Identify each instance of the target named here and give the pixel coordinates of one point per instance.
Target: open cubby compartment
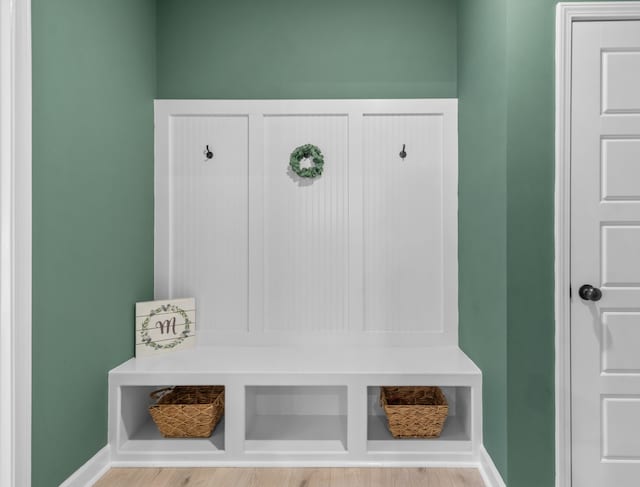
(139, 433)
(296, 419)
(456, 433)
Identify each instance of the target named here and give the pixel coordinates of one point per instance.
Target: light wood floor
(291, 477)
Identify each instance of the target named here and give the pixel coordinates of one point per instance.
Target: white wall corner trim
(89, 473)
(490, 475)
(15, 242)
(566, 15)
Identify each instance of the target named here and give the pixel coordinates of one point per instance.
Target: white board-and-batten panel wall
(306, 232)
(365, 254)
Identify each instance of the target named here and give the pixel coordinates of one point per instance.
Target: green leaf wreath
(146, 338)
(304, 152)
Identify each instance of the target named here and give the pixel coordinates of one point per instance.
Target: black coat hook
(403, 153)
(208, 153)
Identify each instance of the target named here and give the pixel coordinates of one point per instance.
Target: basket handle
(155, 395)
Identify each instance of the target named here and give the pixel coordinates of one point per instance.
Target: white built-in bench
(296, 406)
(283, 268)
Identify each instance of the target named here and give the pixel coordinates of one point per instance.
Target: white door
(605, 253)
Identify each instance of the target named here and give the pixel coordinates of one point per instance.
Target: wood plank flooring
(291, 477)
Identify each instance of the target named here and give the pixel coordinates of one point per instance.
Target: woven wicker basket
(414, 411)
(187, 411)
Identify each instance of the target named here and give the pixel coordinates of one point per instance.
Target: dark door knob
(590, 293)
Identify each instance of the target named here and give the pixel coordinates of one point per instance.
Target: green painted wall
(306, 48)
(93, 85)
(482, 208)
(530, 182)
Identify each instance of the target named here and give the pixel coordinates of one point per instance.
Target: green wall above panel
(307, 49)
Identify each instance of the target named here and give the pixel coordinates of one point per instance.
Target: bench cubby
(137, 434)
(456, 434)
(296, 418)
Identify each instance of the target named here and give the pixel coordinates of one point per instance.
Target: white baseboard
(488, 470)
(89, 473)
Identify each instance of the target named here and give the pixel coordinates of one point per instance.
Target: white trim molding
(490, 474)
(566, 15)
(15, 242)
(90, 472)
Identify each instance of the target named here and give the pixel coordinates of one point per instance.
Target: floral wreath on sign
(146, 338)
(307, 151)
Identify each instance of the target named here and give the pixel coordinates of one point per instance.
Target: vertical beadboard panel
(256, 223)
(306, 226)
(209, 218)
(403, 223)
(356, 222)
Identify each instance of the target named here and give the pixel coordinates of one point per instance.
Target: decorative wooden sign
(163, 326)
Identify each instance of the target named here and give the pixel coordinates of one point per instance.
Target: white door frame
(15, 242)
(566, 14)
